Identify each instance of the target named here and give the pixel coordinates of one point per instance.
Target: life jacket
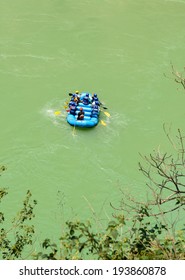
(95, 107)
(95, 112)
(72, 103)
(72, 110)
(94, 99)
(86, 100)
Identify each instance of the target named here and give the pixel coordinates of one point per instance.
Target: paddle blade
(107, 114)
(103, 123)
(57, 113)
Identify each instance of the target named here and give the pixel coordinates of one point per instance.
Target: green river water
(119, 49)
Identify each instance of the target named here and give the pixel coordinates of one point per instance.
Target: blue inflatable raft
(89, 120)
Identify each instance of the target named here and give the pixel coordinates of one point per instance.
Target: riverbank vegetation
(177, 76)
(17, 235)
(138, 229)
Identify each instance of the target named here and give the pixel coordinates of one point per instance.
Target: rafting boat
(89, 120)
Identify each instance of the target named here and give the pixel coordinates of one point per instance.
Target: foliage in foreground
(143, 241)
(18, 237)
(143, 231)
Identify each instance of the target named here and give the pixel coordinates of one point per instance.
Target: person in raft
(72, 109)
(95, 110)
(76, 96)
(94, 98)
(86, 99)
(71, 102)
(81, 114)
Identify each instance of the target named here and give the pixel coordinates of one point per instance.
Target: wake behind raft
(89, 105)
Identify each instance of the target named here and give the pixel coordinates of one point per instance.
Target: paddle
(106, 113)
(103, 123)
(57, 113)
(103, 106)
(73, 130)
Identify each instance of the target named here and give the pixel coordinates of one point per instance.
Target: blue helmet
(97, 102)
(87, 94)
(95, 95)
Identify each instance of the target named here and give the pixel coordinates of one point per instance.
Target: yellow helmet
(77, 91)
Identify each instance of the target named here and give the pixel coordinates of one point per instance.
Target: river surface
(119, 49)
